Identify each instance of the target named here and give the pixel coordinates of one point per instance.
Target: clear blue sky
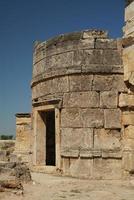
(24, 21)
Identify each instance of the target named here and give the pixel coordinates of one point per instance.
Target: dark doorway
(50, 138)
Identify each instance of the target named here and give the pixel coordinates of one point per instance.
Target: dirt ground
(50, 187)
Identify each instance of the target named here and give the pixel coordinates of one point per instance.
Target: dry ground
(50, 187)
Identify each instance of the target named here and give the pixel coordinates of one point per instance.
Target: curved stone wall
(84, 72)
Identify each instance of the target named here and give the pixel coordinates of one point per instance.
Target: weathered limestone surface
(81, 74)
(107, 139)
(23, 145)
(81, 138)
(128, 43)
(128, 118)
(112, 118)
(126, 101)
(129, 19)
(109, 99)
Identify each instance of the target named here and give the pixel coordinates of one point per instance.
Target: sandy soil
(50, 187)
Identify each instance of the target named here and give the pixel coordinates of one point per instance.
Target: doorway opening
(49, 132)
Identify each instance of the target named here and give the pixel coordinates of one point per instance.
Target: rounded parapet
(79, 52)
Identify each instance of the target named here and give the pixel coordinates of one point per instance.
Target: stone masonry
(126, 100)
(82, 104)
(81, 75)
(23, 145)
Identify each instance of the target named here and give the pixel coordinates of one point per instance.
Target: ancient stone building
(82, 104)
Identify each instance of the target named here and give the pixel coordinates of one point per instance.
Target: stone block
(126, 100)
(118, 83)
(74, 70)
(88, 57)
(70, 117)
(44, 88)
(112, 57)
(112, 118)
(106, 44)
(60, 84)
(86, 153)
(107, 139)
(76, 138)
(23, 120)
(87, 43)
(108, 99)
(128, 161)
(128, 143)
(63, 59)
(107, 168)
(112, 154)
(81, 168)
(81, 99)
(92, 117)
(75, 83)
(128, 118)
(102, 83)
(38, 53)
(129, 132)
(66, 165)
(86, 82)
(109, 82)
(80, 82)
(103, 69)
(55, 72)
(69, 153)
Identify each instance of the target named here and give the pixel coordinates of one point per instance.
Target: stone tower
(83, 104)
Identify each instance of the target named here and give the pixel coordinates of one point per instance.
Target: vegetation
(6, 137)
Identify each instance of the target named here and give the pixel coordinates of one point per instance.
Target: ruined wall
(127, 100)
(23, 144)
(84, 72)
(6, 149)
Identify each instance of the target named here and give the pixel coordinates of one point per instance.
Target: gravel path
(50, 187)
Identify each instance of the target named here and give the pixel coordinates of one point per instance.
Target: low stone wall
(23, 145)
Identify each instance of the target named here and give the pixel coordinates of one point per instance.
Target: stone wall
(127, 100)
(23, 145)
(84, 72)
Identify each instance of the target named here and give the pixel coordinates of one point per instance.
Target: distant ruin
(82, 119)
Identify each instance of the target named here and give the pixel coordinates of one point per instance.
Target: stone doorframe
(39, 153)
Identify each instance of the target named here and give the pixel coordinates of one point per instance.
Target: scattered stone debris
(11, 184)
(12, 177)
(22, 172)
